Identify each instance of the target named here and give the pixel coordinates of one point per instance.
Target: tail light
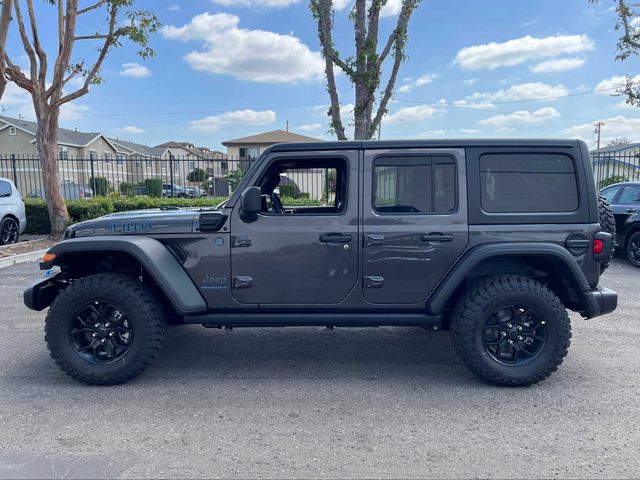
(598, 246)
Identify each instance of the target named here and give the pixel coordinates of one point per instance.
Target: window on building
(93, 155)
(529, 182)
(13, 131)
(63, 153)
(414, 185)
(107, 157)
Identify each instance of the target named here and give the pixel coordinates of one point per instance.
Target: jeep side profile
(491, 239)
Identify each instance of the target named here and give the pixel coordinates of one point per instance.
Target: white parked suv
(14, 219)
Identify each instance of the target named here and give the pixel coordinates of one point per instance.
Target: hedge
(81, 210)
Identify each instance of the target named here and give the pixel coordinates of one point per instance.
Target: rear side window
(610, 193)
(414, 185)
(528, 182)
(5, 189)
(630, 194)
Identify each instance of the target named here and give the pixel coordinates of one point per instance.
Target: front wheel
(633, 249)
(510, 330)
(104, 329)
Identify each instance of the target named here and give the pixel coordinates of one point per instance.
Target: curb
(22, 258)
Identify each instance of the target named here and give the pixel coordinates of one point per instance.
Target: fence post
(13, 165)
(171, 175)
(93, 177)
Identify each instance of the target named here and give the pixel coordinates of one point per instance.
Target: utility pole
(597, 131)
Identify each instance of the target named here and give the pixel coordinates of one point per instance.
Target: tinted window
(528, 183)
(610, 193)
(630, 194)
(5, 189)
(414, 185)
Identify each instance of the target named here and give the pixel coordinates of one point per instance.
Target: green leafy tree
(364, 67)
(613, 179)
(197, 175)
(48, 86)
(234, 177)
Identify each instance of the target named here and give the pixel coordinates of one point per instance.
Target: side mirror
(251, 202)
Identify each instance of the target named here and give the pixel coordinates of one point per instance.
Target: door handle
(370, 240)
(631, 210)
(335, 238)
(436, 237)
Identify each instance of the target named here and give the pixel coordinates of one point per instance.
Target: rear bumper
(599, 301)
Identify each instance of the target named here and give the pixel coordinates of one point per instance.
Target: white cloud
(256, 3)
(515, 52)
(425, 79)
(253, 55)
(311, 127)
(411, 114)
(521, 117)
(610, 85)
(391, 8)
(131, 130)
(73, 111)
(614, 127)
(247, 116)
(470, 81)
(523, 91)
(557, 65)
(173, 8)
(134, 70)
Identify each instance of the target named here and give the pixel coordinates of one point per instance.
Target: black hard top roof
(454, 143)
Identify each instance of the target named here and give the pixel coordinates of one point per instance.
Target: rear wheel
(510, 330)
(104, 329)
(607, 224)
(633, 249)
(9, 231)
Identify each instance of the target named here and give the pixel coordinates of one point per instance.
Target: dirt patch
(25, 247)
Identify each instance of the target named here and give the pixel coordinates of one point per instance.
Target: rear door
(627, 206)
(415, 221)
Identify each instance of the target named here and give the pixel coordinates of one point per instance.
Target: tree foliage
(49, 85)
(364, 68)
(197, 175)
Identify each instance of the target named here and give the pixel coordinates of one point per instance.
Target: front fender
(155, 258)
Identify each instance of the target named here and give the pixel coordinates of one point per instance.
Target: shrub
(126, 188)
(197, 175)
(613, 179)
(154, 187)
(99, 185)
(288, 190)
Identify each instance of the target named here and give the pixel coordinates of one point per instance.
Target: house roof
(139, 148)
(65, 136)
(269, 138)
(617, 148)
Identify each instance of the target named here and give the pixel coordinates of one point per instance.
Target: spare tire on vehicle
(607, 224)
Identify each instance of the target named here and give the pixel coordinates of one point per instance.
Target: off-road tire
(607, 223)
(133, 299)
(479, 302)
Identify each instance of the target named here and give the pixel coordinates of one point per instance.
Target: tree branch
(60, 24)
(5, 21)
(324, 17)
(25, 41)
(42, 55)
(14, 74)
(97, 36)
(113, 15)
(92, 7)
(624, 13)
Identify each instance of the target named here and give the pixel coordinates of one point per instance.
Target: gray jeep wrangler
(491, 239)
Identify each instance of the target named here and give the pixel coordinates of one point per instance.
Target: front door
(303, 248)
(415, 222)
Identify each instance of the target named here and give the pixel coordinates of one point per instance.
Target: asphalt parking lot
(307, 402)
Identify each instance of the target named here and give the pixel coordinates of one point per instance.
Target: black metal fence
(613, 167)
(157, 177)
(82, 177)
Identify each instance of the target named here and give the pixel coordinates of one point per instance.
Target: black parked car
(624, 199)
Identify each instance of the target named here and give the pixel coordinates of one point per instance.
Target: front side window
(414, 185)
(630, 195)
(304, 187)
(527, 182)
(5, 189)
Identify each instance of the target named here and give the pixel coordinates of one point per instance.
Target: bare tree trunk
(47, 145)
(5, 21)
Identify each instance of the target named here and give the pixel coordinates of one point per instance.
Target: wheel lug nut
(519, 328)
(111, 334)
(107, 325)
(510, 342)
(97, 325)
(504, 334)
(509, 325)
(102, 340)
(94, 334)
(543, 322)
(519, 337)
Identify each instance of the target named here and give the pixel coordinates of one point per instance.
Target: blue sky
(229, 68)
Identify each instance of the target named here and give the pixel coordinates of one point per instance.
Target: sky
(230, 68)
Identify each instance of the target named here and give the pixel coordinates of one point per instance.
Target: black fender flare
(156, 259)
(464, 266)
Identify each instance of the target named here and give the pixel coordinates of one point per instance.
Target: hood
(144, 222)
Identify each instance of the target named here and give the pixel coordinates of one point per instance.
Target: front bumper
(599, 301)
(40, 294)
